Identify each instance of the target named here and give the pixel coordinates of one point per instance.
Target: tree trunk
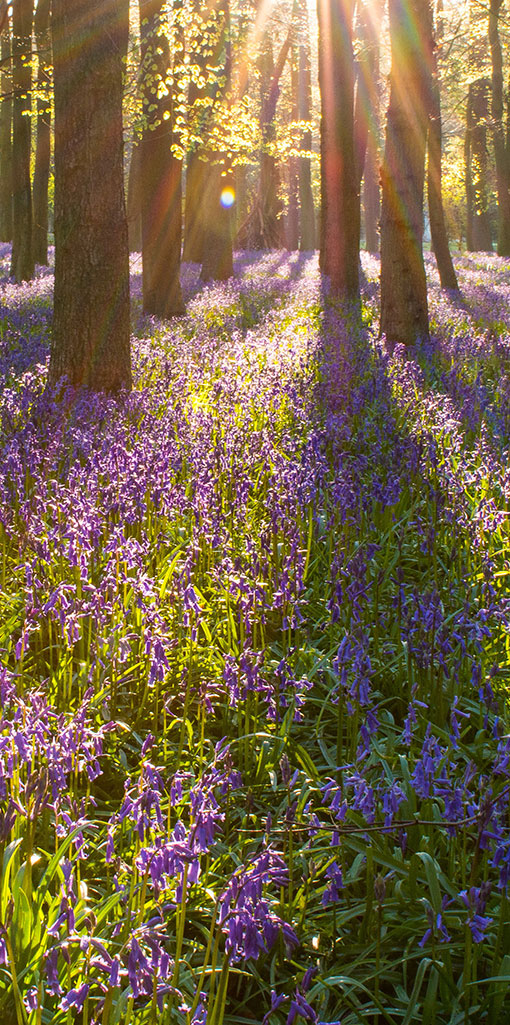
(447, 275)
(90, 344)
(366, 119)
(217, 259)
(5, 133)
(340, 202)
(404, 311)
(43, 144)
(22, 263)
(161, 173)
(134, 200)
(263, 228)
(196, 172)
(501, 148)
(292, 218)
(306, 207)
(478, 229)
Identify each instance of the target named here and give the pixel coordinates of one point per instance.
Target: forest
(254, 512)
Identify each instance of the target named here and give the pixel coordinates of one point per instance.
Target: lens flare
(227, 197)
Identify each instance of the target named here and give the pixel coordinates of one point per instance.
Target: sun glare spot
(227, 197)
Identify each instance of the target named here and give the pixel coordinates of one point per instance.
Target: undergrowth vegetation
(254, 636)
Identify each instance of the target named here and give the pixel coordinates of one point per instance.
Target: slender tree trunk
(22, 263)
(134, 200)
(263, 228)
(5, 133)
(366, 119)
(43, 143)
(90, 344)
(404, 310)
(196, 170)
(196, 174)
(217, 259)
(196, 160)
(161, 173)
(306, 206)
(501, 147)
(438, 231)
(292, 219)
(478, 229)
(340, 202)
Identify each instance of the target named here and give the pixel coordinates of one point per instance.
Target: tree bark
(501, 146)
(478, 229)
(447, 275)
(43, 141)
(5, 132)
(306, 205)
(22, 263)
(340, 202)
(90, 344)
(404, 310)
(161, 173)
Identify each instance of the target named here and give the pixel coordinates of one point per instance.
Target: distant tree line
(214, 107)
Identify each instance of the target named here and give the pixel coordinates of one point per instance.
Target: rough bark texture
(478, 229)
(439, 235)
(43, 143)
(501, 146)
(5, 133)
(161, 173)
(404, 311)
(90, 344)
(22, 263)
(340, 202)
(306, 205)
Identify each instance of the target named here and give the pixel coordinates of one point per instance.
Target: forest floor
(254, 644)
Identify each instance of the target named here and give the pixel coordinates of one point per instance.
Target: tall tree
(264, 225)
(340, 205)
(43, 137)
(196, 160)
(306, 206)
(366, 117)
(478, 228)
(90, 343)
(292, 216)
(404, 310)
(5, 126)
(160, 171)
(22, 262)
(501, 132)
(134, 200)
(217, 259)
(438, 231)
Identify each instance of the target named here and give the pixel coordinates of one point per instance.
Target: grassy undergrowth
(254, 644)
